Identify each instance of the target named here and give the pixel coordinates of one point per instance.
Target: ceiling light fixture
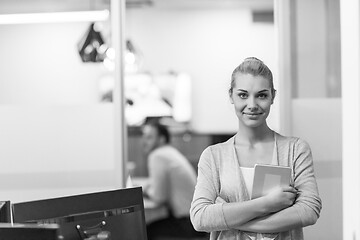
(92, 47)
(53, 17)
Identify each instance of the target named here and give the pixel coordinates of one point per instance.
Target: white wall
(317, 116)
(318, 121)
(55, 132)
(56, 138)
(207, 44)
(50, 151)
(350, 61)
(39, 64)
(311, 51)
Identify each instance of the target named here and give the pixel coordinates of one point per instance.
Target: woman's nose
(251, 103)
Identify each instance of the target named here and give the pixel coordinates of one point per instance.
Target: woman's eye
(242, 95)
(262, 96)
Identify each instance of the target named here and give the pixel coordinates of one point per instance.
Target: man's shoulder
(164, 152)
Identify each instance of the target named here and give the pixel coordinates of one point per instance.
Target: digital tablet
(268, 177)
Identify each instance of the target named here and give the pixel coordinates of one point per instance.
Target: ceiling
(25, 6)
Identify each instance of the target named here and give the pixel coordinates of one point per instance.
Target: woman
(221, 203)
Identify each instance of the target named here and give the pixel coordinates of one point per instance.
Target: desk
(153, 211)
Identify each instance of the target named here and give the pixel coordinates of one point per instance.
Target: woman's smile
(253, 116)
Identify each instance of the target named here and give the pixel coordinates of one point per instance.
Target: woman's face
(252, 98)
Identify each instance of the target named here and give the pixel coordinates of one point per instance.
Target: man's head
(154, 136)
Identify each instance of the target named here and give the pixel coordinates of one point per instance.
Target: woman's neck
(251, 136)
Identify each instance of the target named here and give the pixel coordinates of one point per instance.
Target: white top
(248, 175)
(172, 180)
(248, 172)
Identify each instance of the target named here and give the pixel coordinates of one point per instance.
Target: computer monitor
(119, 213)
(5, 214)
(18, 231)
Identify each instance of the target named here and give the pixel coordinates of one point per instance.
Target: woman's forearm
(237, 214)
(240, 213)
(283, 220)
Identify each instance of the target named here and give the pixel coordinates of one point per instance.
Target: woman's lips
(252, 114)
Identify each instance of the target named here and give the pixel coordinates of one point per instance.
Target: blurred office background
(58, 109)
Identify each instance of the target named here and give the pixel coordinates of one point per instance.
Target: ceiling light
(53, 17)
(92, 47)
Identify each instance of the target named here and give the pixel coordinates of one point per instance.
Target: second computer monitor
(21, 231)
(117, 214)
(5, 215)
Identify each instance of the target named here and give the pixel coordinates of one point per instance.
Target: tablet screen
(268, 177)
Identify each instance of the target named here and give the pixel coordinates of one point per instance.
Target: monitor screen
(28, 231)
(117, 214)
(5, 214)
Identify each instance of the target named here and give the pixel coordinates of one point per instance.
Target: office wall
(52, 121)
(315, 104)
(50, 151)
(318, 71)
(40, 65)
(319, 123)
(207, 44)
(350, 80)
(56, 138)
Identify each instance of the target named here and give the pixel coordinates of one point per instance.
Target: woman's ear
(273, 95)
(230, 96)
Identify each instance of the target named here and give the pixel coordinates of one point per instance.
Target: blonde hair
(255, 67)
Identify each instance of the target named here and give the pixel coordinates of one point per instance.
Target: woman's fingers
(290, 189)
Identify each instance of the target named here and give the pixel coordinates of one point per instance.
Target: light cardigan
(220, 177)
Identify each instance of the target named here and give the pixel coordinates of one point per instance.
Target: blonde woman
(221, 202)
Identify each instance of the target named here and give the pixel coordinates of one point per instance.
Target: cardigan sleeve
(308, 203)
(206, 212)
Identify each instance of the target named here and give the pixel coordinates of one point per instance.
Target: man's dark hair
(161, 129)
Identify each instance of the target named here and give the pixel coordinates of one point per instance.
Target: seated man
(172, 182)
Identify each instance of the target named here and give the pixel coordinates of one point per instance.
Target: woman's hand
(280, 198)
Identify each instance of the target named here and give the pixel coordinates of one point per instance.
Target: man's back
(172, 182)
(172, 178)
